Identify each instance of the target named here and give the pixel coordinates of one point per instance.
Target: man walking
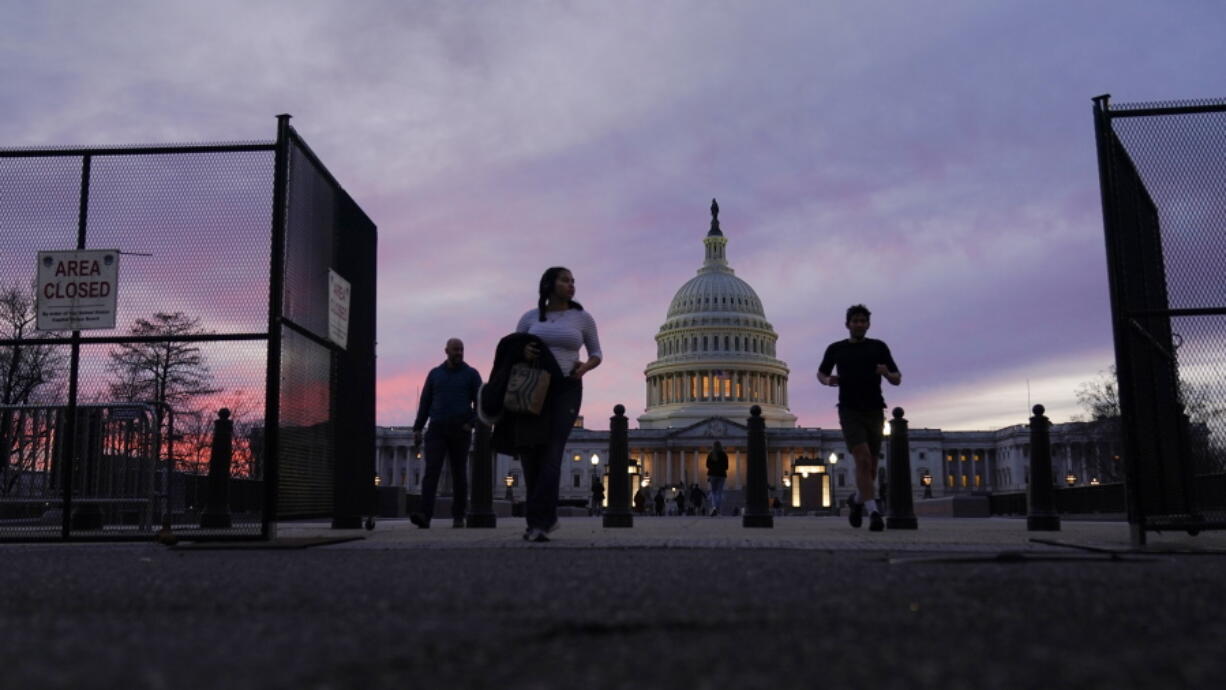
(449, 400)
(717, 474)
(861, 363)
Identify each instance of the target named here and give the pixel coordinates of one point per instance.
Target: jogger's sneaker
(419, 520)
(534, 534)
(552, 528)
(855, 513)
(875, 523)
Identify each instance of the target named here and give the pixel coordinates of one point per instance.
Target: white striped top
(563, 332)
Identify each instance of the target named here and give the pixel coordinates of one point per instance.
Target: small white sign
(77, 289)
(338, 308)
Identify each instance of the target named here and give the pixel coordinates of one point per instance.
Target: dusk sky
(934, 160)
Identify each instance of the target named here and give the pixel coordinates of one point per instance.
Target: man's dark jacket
(514, 432)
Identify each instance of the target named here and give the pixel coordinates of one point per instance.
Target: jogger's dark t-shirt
(859, 382)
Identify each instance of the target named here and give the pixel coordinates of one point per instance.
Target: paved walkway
(699, 603)
(792, 532)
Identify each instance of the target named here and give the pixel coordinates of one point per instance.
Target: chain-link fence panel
(193, 228)
(111, 433)
(1163, 168)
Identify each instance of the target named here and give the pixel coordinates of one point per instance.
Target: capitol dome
(715, 352)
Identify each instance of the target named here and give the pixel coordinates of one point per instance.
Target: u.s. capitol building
(715, 359)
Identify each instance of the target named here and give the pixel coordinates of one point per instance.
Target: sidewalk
(793, 532)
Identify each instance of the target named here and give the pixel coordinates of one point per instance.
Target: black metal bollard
(900, 502)
(618, 513)
(757, 506)
(481, 481)
(1041, 513)
(217, 513)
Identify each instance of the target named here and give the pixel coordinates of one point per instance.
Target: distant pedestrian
(696, 499)
(659, 501)
(597, 496)
(449, 401)
(861, 362)
(640, 500)
(680, 499)
(717, 474)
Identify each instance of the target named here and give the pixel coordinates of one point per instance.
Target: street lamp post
(509, 480)
(1070, 478)
(926, 480)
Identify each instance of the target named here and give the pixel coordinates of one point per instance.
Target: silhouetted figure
(597, 497)
(717, 474)
(449, 401)
(659, 501)
(861, 364)
(680, 499)
(696, 499)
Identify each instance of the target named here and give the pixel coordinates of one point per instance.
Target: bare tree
(163, 371)
(29, 374)
(1206, 426)
(25, 370)
(1100, 396)
(1206, 416)
(1100, 399)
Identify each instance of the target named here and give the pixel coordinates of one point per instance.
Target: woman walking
(563, 326)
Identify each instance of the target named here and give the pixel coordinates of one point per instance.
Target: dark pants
(451, 441)
(543, 464)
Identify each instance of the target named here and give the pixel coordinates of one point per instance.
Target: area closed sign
(77, 289)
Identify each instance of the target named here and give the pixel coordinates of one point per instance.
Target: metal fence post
(618, 513)
(757, 508)
(481, 481)
(1041, 516)
(900, 501)
(217, 513)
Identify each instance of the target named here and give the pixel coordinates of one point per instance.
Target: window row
(719, 302)
(714, 343)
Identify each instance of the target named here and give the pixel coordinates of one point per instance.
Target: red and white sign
(77, 289)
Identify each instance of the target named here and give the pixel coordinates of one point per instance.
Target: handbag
(527, 387)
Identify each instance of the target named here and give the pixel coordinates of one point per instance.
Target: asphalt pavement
(672, 602)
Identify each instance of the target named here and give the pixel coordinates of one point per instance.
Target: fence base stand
(347, 522)
(165, 535)
(1043, 523)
